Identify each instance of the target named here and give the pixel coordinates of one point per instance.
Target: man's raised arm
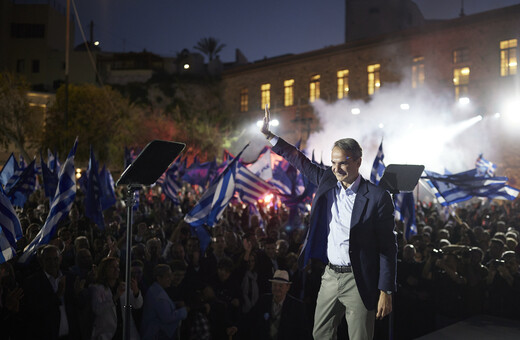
(265, 127)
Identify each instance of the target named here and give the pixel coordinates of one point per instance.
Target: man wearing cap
(277, 315)
(352, 231)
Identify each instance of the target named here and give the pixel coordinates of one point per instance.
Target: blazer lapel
(360, 203)
(329, 181)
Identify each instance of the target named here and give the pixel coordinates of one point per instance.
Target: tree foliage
(210, 47)
(101, 117)
(21, 123)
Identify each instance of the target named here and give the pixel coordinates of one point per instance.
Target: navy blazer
(372, 244)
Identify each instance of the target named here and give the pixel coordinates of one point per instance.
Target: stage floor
(482, 327)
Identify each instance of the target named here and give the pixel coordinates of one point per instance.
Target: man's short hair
(160, 270)
(351, 145)
(225, 263)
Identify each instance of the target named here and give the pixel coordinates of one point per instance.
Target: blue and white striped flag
(24, 186)
(484, 167)
(465, 185)
(60, 206)
(211, 205)
(53, 163)
(106, 182)
(378, 168)
(93, 195)
(9, 169)
(251, 187)
(405, 212)
(172, 182)
(10, 229)
(50, 179)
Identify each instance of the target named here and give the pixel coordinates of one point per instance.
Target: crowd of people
(457, 265)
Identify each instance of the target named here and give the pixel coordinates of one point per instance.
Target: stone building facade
(470, 57)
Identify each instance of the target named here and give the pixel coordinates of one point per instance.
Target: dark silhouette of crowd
(458, 265)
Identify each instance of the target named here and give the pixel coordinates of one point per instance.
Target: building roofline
(430, 26)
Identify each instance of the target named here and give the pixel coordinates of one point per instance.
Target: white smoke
(417, 127)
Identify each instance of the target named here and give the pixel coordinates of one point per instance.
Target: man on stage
(352, 231)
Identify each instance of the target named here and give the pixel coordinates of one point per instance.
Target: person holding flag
(352, 231)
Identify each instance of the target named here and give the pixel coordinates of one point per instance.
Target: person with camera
(503, 283)
(442, 270)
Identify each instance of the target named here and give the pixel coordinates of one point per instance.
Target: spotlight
(273, 122)
(510, 112)
(186, 66)
(464, 100)
(355, 111)
(96, 43)
(268, 198)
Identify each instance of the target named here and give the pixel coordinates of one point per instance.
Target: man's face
(113, 270)
(279, 290)
(270, 250)
(51, 262)
(192, 246)
(165, 281)
(344, 167)
(177, 277)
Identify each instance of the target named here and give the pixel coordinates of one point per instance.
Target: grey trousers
(339, 296)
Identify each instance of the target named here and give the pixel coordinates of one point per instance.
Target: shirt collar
(353, 188)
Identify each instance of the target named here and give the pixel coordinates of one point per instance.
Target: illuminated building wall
(431, 55)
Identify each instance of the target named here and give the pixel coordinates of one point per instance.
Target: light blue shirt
(341, 202)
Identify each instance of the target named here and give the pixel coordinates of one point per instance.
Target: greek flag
(10, 229)
(250, 187)
(405, 212)
(484, 167)
(172, 185)
(24, 186)
(60, 206)
(53, 162)
(93, 196)
(378, 168)
(211, 205)
(262, 166)
(106, 182)
(50, 179)
(9, 169)
(465, 185)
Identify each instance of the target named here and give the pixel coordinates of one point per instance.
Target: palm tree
(210, 47)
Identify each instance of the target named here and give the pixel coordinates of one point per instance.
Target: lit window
(461, 81)
(244, 100)
(508, 57)
(314, 88)
(342, 84)
(460, 55)
(266, 95)
(374, 80)
(417, 72)
(288, 88)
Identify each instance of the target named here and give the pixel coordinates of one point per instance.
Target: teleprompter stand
(146, 169)
(396, 179)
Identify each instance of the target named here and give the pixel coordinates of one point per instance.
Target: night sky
(259, 29)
